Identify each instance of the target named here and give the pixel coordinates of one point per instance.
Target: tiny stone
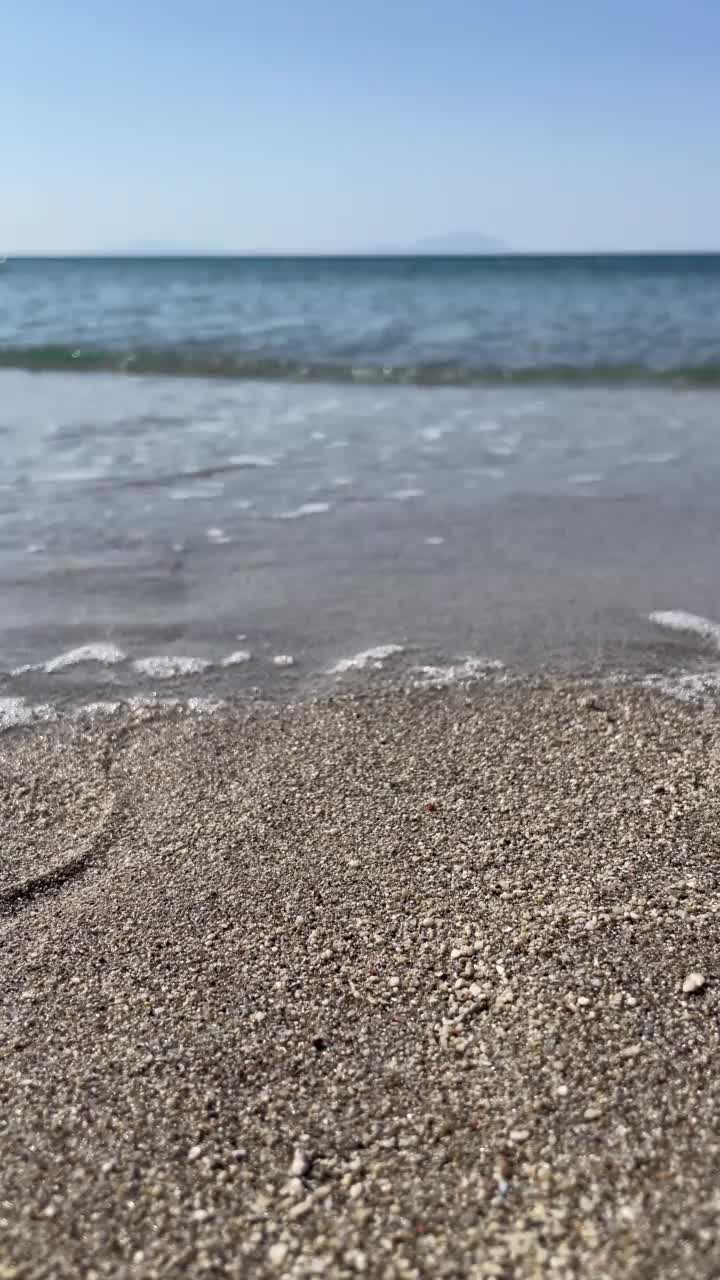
(300, 1163)
(277, 1254)
(693, 982)
(299, 1210)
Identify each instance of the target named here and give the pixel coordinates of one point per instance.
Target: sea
(259, 478)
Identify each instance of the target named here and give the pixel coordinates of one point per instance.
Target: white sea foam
(586, 477)
(204, 704)
(374, 657)
(306, 509)
(107, 654)
(94, 709)
(462, 669)
(149, 702)
(165, 666)
(252, 460)
(284, 660)
(405, 495)
(679, 620)
(434, 541)
(218, 536)
(687, 686)
(44, 711)
(660, 459)
(237, 658)
(14, 712)
(431, 434)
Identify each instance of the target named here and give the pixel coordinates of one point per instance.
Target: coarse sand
(406, 984)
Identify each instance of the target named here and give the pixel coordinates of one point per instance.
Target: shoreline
(391, 984)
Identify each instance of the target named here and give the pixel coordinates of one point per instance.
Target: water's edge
(189, 362)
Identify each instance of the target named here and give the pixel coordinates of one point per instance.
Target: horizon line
(288, 254)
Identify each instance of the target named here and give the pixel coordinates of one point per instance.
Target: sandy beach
(398, 985)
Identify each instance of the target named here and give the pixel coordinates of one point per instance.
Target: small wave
(679, 620)
(200, 362)
(374, 657)
(237, 658)
(464, 670)
(165, 666)
(107, 654)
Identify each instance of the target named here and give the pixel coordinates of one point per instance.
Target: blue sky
(333, 124)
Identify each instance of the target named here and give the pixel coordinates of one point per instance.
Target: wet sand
(412, 984)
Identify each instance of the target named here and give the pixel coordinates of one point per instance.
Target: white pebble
(300, 1163)
(277, 1254)
(693, 982)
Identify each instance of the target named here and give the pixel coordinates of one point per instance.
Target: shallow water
(192, 536)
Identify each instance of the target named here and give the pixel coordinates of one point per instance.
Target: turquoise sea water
(368, 466)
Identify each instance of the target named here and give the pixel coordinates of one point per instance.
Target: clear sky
(334, 124)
